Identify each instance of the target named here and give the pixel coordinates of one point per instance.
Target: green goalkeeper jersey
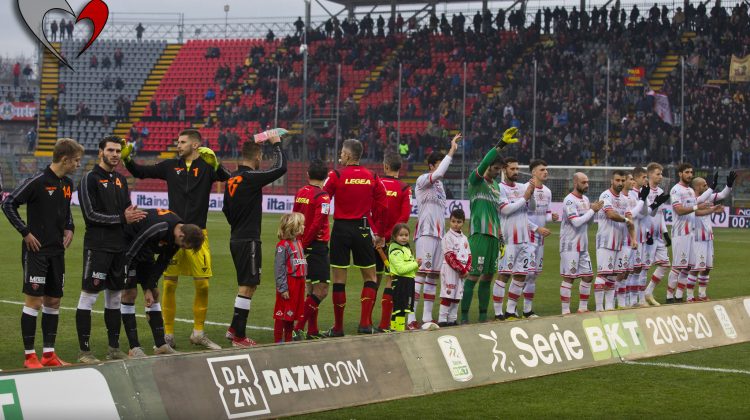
(485, 199)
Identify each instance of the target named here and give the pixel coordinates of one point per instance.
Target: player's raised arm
(157, 171)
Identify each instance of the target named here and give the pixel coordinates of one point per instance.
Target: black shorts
(43, 275)
(247, 258)
(352, 237)
(139, 273)
(380, 267)
(318, 263)
(103, 270)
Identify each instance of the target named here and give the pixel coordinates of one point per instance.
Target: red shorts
(291, 309)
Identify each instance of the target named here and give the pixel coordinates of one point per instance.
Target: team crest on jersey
(179, 170)
(325, 208)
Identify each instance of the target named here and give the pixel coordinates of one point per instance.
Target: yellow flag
(739, 69)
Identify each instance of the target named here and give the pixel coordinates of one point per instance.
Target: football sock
(702, 285)
(367, 299)
(633, 288)
(529, 289)
(621, 288)
(609, 294)
(241, 313)
(514, 292)
(672, 283)
(467, 298)
(418, 285)
(386, 305)
(288, 328)
(453, 314)
(691, 286)
(445, 308)
(50, 318)
(83, 319)
(642, 285)
(429, 299)
(170, 305)
(156, 322)
(681, 284)
(127, 310)
(483, 296)
(200, 304)
(584, 291)
(112, 317)
(599, 285)
(339, 304)
(655, 279)
(311, 306)
(565, 296)
(278, 330)
(498, 294)
(28, 327)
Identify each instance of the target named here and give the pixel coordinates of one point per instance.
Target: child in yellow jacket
(403, 268)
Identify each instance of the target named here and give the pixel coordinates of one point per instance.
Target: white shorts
(610, 262)
(702, 255)
(646, 255)
(575, 264)
(536, 258)
(681, 246)
(660, 256)
(516, 260)
(451, 284)
(430, 250)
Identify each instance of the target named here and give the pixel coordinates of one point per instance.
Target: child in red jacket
(290, 270)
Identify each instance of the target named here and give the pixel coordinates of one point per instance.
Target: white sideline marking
(689, 367)
(187, 321)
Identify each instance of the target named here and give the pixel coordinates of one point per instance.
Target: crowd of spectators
(574, 53)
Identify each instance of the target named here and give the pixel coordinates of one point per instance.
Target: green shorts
(484, 254)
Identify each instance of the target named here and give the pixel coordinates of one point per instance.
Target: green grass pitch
(620, 390)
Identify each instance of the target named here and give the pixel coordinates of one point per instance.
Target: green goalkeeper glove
(509, 137)
(127, 151)
(209, 157)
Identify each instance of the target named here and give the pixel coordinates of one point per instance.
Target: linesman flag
(739, 69)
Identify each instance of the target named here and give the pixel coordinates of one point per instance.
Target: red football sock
(311, 315)
(339, 304)
(368, 296)
(288, 327)
(278, 330)
(387, 309)
(302, 318)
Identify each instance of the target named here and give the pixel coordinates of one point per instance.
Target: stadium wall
(297, 378)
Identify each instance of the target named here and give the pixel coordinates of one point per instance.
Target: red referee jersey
(358, 193)
(315, 204)
(398, 202)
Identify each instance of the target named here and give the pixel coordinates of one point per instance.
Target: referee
(361, 194)
(189, 180)
(47, 234)
(243, 199)
(106, 208)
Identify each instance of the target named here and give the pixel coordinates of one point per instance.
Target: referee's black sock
(112, 321)
(83, 327)
(128, 321)
(241, 313)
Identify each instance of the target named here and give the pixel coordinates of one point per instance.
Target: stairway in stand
(49, 86)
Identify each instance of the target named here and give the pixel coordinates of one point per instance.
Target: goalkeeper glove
(649, 239)
(127, 151)
(667, 239)
(715, 181)
(509, 137)
(209, 157)
(502, 246)
(643, 194)
(731, 178)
